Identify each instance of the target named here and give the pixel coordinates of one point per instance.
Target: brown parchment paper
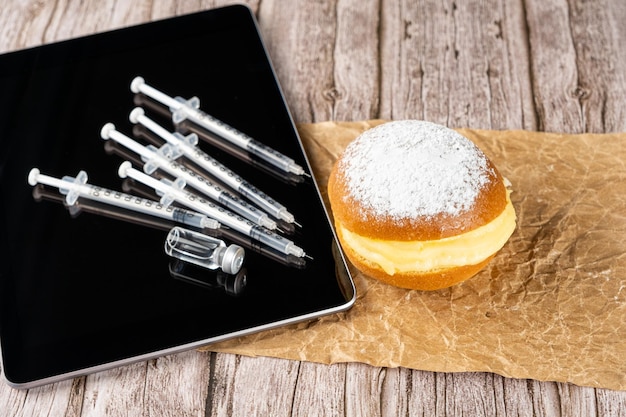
(550, 306)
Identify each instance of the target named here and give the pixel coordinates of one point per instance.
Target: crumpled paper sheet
(550, 306)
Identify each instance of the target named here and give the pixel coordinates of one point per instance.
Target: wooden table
(551, 65)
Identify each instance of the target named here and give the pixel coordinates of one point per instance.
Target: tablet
(86, 286)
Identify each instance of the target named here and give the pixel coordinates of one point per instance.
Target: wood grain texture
(577, 64)
(456, 63)
(532, 64)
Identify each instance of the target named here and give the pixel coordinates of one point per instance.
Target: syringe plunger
(73, 188)
(190, 109)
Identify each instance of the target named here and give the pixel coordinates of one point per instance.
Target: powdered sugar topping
(410, 168)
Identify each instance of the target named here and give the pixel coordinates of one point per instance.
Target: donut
(419, 206)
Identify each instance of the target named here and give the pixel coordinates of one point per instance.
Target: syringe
(73, 188)
(158, 159)
(190, 109)
(188, 147)
(175, 192)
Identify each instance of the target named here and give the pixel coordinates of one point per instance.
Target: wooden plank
(356, 70)
(302, 54)
(578, 77)
(364, 389)
(409, 393)
(163, 9)
(328, 61)
(462, 64)
(513, 397)
(177, 383)
(117, 391)
(610, 403)
(555, 76)
(23, 24)
(53, 399)
(243, 386)
(320, 390)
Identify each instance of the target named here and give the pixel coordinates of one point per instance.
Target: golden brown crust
(489, 204)
(351, 213)
(429, 281)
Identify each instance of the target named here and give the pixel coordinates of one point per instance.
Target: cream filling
(468, 248)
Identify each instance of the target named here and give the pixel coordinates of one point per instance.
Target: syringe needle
(188, 147)
(157, 159)
(190, 109)
(74, 188)
(175, 192)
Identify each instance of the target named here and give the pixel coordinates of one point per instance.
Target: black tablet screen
(83, 287)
